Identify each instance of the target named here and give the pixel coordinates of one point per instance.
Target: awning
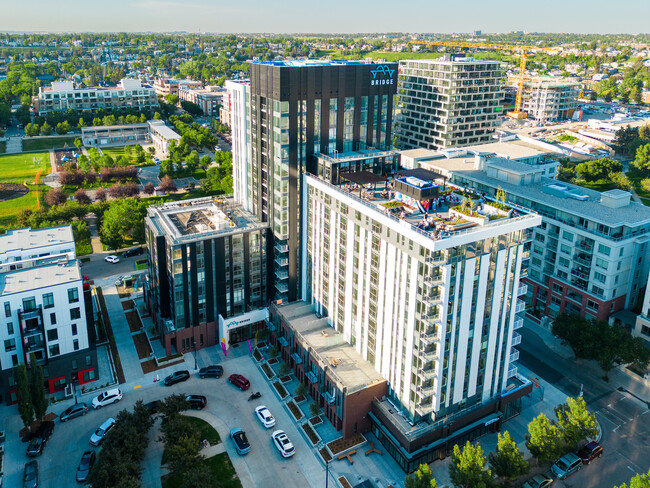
(362, 177)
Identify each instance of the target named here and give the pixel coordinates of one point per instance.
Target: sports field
(22, 168)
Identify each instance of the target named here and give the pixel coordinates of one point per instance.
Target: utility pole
(327, 473)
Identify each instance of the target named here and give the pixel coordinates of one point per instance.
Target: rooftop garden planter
(268, 371)
(341, 445)
(314, 438)
(280, 389)
(295, 411)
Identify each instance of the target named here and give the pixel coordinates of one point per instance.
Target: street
(97, 268)
(624, 419)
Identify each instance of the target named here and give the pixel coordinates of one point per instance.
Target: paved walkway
(14, 145)
(95, 241)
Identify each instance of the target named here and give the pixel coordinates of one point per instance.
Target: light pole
(327, 473)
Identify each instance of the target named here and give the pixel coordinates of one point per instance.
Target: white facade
(436, 318)
(162, 135)
(548, 99)
(236, 101)
(642, 326)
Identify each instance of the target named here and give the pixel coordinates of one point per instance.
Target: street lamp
(327, 473)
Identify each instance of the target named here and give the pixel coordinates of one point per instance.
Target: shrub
(82, 197)
(56, 196)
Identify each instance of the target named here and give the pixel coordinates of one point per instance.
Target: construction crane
(523, 50)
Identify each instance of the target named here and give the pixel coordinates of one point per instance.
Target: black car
(136, 251)
(74, 411)
(177, 377)
(85, 465)
(197, 402)
(213, 371)
(36, 446)
(153, 407)
(30, 475)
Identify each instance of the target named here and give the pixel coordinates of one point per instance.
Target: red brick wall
(357, 405)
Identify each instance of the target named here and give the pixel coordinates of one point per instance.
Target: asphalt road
(97, 268)
(624, 419)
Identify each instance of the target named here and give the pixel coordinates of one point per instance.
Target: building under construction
(548, 99)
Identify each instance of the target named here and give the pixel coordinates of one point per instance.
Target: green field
(48, 143)
(10, 209)
(20, 168)
(114, 152)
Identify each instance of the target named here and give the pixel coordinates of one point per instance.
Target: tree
(642, 159)
(508, 461)
(25, 407)
(100, 195)
(284, 369)
(467, 468)
(644, 132)
(301, 389)
(576, 421)
(78, 142)
(82, 197)
(56, 196)
(544, 440)
(421, 478)
(621, 181)
(149, 188)
(37, 388)
(204, 162)
(638, 481)
(167, 184)
(124, 220)
(46, 129)
(314, 408)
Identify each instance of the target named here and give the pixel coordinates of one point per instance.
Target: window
(74, 329)
(48, 300)
(10, 328)
(601, 263)
(89, 360)
(29, 304)
(568, 236)
(591, 305)
(89, 375)
(565, 249)
(73, 295)
(54, 350)
(602, 249)
(75, 344)
(75, 313)
(7, 309)
(52, 335)
(599, 277)
(74, 364)
(53, 318)
(557, 288)
(10, 345)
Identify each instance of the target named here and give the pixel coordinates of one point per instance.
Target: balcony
(512, 372)
(435, 260)
(329, 398)
(427, 356)
(281, 274)
(296, 358)
(516, 339)
(312, 377)
(524, 272)
(426, 391)
(514, 355)
(432, 316)
(582, 259)
(433, 280)
(282, 261)
(271, 326)
(520, 306)
(30, 314)
(283, 341)
(424, 409)
(585, 246)
(522, 290)
(282, 247)
(282, 287)
(433, 300)
(427, 374)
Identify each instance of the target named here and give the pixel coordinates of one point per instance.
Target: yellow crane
(523, 52)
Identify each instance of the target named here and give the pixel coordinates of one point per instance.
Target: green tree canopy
(37, 388)
(508, 461)
(122, 222)
(544, 439)
(421, 478)
(638, 481)
(576, 421)
(467, 468)
(25, 407)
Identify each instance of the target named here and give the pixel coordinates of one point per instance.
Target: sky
(326, 16)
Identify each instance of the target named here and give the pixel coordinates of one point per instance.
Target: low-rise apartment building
(63, 95)
(208, 265)
(208, 98)
(591, 255)
(169, 86)
(46, 310)
(115, 134)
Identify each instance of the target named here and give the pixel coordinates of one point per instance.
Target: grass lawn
(20, 168)
(600, 185)
(205, 430)
(223, 474)
(48, 143)
(10, 209)
(83, 247)
(114, 152)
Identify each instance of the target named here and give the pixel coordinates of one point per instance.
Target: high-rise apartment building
(236, 105)
(46, 309)
(548, 99)
(209, 262)
(300, 110)
(447, 102)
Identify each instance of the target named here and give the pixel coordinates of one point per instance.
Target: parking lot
(227, 407)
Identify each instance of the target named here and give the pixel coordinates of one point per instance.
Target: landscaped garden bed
(280, 389)
(338, 446)
(257, 355)
(134, 321)
(142, 346)
(299, 398)
(311, 433)
(344, 482)
(273, 361)
(152, 365)
(295, 411)
(268, 371)
(316, 420)
(127, 305)
(325, 454)
(285, 378)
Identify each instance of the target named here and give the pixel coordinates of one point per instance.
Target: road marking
(137, 386)
(634, 471)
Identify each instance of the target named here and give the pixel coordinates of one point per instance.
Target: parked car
(282, 442)
(566, 466)
(100, 434)
(265, 416)
(241, 441)
(112, 259)
(73, 412)
(212, 371)
(36, 446)
(136, 251)
(85, 465)
(108, 397)
(30, 475)
(590, 451)
(197, 402)
(538, 481)
(177, 377)
(239, 381)
(153, 407)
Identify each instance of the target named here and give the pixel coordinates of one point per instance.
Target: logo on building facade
(382, 75)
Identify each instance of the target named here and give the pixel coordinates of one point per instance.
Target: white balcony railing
(523, 289)
(512, 372)
(514, 355)
(516, 339)
(519, 323)
(520, 306)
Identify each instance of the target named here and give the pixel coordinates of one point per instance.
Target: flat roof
(511, 149)
(26, 238)
(164, 131)
(363, 177)
(345, 364)
(300, 63)
(39, 277)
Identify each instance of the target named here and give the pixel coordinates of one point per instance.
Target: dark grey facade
(298, 110)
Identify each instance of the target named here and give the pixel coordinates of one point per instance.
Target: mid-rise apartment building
(591, 255)
(236, 104)
(208, 98)
(46, 309)
(169, 86)
(642, 325)
(63, 95)
(548, 99)
(298, 111)
(447, 102)
(427, 294)
(209, 262)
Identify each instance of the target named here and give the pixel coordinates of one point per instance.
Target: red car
(239, 381)
(590, 452)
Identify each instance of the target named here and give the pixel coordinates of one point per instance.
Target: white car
(106, 398)
(100, 434)
(282, 442)
(112, 259)
(265, 416)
